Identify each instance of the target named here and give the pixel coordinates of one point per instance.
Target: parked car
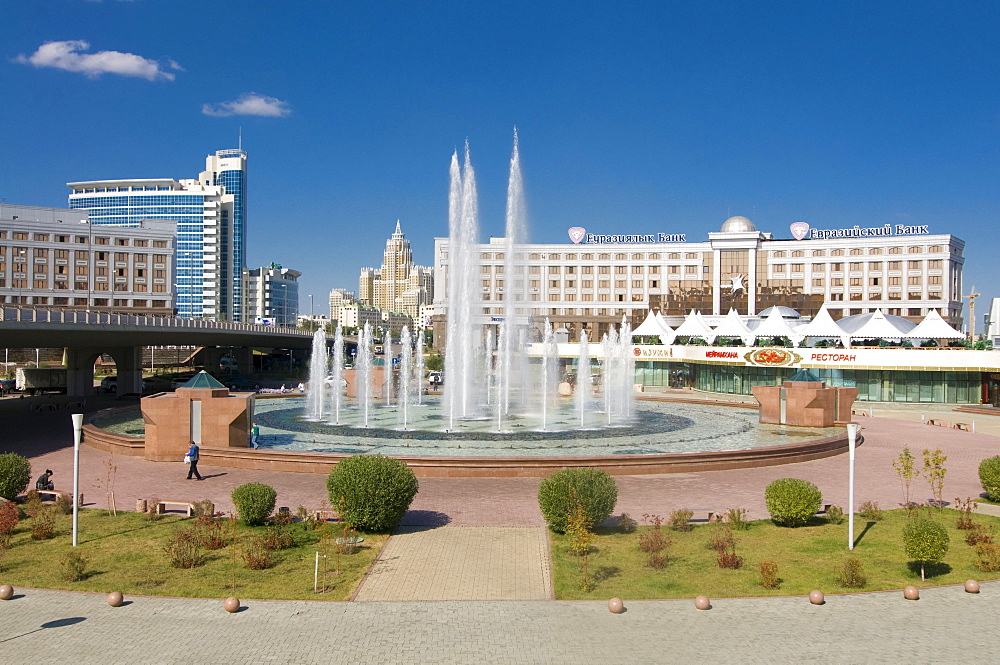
(109, 384)
(7, 386)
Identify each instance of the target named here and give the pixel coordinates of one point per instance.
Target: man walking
(192, 459)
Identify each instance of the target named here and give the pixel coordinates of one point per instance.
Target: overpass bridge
(87, 335)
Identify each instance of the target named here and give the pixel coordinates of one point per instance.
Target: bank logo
(799, 230)
(577, 233)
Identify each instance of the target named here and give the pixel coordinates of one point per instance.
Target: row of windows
(590, 270)
(83, 240)
(859, 251)
(932, 264)
(133, 188)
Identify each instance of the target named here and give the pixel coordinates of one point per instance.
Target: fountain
(501, 398)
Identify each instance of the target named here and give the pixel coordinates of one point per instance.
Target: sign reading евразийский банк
(801, 230)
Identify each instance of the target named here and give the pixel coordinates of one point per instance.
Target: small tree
(906, 471)
(934, 468)
(15, 473)
(578, 528)
(926, 542)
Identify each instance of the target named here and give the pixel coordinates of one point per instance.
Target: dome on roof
(786, 313)
(737, 224)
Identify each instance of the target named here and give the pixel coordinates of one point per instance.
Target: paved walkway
(462, 563)
(946, 625)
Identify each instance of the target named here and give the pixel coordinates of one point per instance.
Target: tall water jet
(463, 266)
(419, 368)
(583, 388)
(387, 367)
(317, 377)
(363, 372)
(405, 376)
(550, 367)
(337, 376)
(514, 291)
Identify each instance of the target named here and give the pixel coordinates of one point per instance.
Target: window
(654, 270)
(798, 252)
(857, 251)
(895, 265)
(42, 236)
(895, 250)
(896, 296)
(819, 267)
(934, 279)
(914, 250)
(875, 250)
(856, 296)
(915, 295)
(874, 281)
(121, 257)
(874, 265)
(836, 296)
(553, 270)
(855, 281)
(621, 257)
(836, 281)
(673, 270)
(837, 252)
(855, 265)
(837, 267)
(818, 281)
(915, 280)
(587, 284)
(914, 265)
(570, 270)
(934, 264)
(894, 281)
(819, 252)
(779, 268)
(584, 257)
(620, 284)
(674, 255)
(604, 270)
(798, 267)
(875, 295)
(636, 283)
(637, 270)
(621, 270)
(587, 270)
(571, 284)
(777, 255)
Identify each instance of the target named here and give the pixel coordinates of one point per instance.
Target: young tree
(934, 468)
(906, 471)
(926, 542)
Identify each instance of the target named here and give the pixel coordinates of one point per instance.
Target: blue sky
(633, 117)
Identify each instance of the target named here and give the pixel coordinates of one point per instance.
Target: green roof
(804, 375)
(203, 380)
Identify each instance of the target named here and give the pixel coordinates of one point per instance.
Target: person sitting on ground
(44, 481)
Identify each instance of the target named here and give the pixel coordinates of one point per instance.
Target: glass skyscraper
(210, 213)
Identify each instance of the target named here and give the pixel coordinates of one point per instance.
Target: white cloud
(249, 104)
(67, 55)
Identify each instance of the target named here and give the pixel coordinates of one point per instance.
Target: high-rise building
(210, 213)
(399, 286)
(273, 293)
(340, 297)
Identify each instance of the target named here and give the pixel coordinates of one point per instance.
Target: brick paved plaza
(452, 584)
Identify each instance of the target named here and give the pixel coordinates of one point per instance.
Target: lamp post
(77, 434)
(852, 438)
(310, 306)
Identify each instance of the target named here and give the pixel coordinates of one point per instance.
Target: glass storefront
(874, 385)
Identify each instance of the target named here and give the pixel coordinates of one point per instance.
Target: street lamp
(77, 434)
(310, 306)
(852, 438)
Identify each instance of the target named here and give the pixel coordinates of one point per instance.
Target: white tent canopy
(695, 326)
(651, 327)
(775, 325)
(823, 325)
(876, 326)
(733, 326)
(671, 335)
(933, 327)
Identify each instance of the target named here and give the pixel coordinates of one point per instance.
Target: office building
(54, 258)
(210, 214)
(273, 293)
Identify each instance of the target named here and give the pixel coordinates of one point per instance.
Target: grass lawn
(126, 553)
(808, 558)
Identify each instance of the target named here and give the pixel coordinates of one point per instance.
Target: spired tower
(399, 286)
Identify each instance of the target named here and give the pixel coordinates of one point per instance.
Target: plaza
(466, 575)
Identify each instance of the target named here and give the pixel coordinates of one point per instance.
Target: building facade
(210, 214)
(272, 292)
(398, 286)
(595, 280)
(339, 298)
(54, 258)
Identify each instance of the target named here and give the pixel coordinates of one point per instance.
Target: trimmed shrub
(680, 519)
(254, 503)
(15, 474)
(870, 511)
(926, 541)
(989, 476)
(769, 574)
(987, 558)
(791, 501)
(852, 574)
(371, 492)
(74, 566)
(626, 524)
(835, 515)
(595, 490)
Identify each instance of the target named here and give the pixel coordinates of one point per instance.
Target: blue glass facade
(185, 209)
(232, 251)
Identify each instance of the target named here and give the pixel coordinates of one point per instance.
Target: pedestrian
(44, 481)
(254, 433)
(192, 459)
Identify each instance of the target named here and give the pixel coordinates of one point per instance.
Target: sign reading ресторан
(801, 230)
(578, 235)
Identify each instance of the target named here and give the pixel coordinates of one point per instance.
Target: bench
(325, 515)
(55, 494)
(962, 426)
(938, 422)
(186, 506)
(859, 412)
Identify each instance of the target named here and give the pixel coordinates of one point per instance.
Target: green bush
(791, 501)
(989, 476)
(371, 492)
(15, 474)
(926, 541)
(595, 490)
(254, 503)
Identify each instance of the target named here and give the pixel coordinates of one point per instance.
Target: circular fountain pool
(659, 428)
